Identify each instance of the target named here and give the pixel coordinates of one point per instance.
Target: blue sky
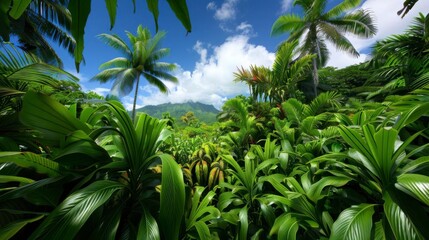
(225, 34)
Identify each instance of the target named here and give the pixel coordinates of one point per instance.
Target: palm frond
(116, 42)
(358, 23)
(332, 34)
(286, 23)
(342, 7)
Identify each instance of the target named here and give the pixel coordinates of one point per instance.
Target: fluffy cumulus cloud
(226, 11)
(387, 22)
(211, 81)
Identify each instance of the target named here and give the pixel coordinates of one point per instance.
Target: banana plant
(396, 179)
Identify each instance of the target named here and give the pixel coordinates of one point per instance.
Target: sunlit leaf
(354, 223)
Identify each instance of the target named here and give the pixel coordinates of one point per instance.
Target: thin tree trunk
(315, 77)
(135, 98)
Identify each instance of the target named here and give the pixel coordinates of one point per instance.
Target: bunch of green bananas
(206, 168)
(216, 175)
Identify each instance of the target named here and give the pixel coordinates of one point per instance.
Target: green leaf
(289, 228)
(111, 6)
(50, 117)
(6, 179)
(354, 223)
(415, 185)
(286, 23)
(180, 9)
(4, 19)
(18, 7)
(31, 160)
(79, 10)
(400, 223)
(30, 188)
(244, 223)
(379, 233)
(172, 198)
(10, 229)
(314, 193)
(152, 5)
(69, 217)
(148, 228)
(203, 230)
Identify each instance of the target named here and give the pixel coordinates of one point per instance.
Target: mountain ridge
(204, 112)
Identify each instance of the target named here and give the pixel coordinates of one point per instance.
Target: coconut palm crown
(139, 59)
(317, 26)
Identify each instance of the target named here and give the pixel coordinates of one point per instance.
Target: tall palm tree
(319, 25)
(44, 21)
(140, 59)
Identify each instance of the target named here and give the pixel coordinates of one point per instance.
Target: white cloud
(211, 81)
(101, 91)
(286, 5)
(245, 28)
(226, 11)
(387, 22)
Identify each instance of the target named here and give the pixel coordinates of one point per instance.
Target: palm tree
(402, 60)
(279, 82)
(318, 26)
(141, 59)
(41, 22)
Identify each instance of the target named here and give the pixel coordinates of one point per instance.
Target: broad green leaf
(379, 233)
(148, 228)
(412, 115)
(105, 228)
(382, 149)
(9, 230)
(244, 223)
(314, 193)
(30, 188)
(69, 217)
(152, 5)
(288, 229)
(353, 138)
(6, 179)
(203, 230)
(111, 6)
(31, 160)
(18, 7)
(4, 19)
(172, 198)
(180, 9)
(400, 223)
(354, 223)
(79, 10)
(415, 185)
(50, 117)
(416, 165)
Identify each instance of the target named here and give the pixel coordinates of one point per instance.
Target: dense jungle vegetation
(313, 152)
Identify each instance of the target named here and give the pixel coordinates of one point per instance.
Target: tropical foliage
(62, 11)
(274, 166)
(319, 25)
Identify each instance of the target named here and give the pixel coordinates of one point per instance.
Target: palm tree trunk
(135, 98)
(315, 77)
